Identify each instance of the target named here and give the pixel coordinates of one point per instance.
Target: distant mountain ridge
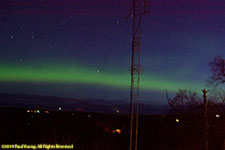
(72, 104)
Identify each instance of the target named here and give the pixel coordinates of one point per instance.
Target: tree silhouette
(184, 102)
(217, 68)
(217, 78)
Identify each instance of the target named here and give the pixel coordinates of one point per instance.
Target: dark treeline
(98, 131)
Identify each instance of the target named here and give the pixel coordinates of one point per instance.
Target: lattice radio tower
(139, 9)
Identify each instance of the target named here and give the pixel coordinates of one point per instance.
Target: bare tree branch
(217, 68)
(184, 102)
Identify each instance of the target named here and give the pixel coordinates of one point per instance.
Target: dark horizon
(118, 107)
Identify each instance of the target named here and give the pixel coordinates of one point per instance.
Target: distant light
(72, 114)
(97, 71)
(35, 111)
(177, 120)
(117, 111)
(46, 111)
(217, 116)
(28, 110)
(60, 108)
(38, 111)
(89, 116)
(119, 131)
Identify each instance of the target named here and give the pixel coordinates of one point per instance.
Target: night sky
(82, 48)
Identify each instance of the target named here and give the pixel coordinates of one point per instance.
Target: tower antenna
(139, 9)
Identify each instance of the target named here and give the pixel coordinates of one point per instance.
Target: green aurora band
(83, 75)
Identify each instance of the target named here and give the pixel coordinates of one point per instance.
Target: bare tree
(217, 78)
(217, 67)
(184, 102)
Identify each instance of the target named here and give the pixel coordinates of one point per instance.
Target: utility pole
(206, 119)
(139, 9)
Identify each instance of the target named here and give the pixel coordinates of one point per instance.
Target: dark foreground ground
(92, 131)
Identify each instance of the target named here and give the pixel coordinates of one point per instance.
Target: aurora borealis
(80, 75)
(82, 48)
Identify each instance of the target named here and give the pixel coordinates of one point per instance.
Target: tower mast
(139, 9)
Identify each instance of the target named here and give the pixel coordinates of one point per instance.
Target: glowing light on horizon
(88, 76)
(119, 131)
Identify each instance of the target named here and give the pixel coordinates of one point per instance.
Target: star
(32, 35)
(21, 60)
(11, 37)
(97, 71)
